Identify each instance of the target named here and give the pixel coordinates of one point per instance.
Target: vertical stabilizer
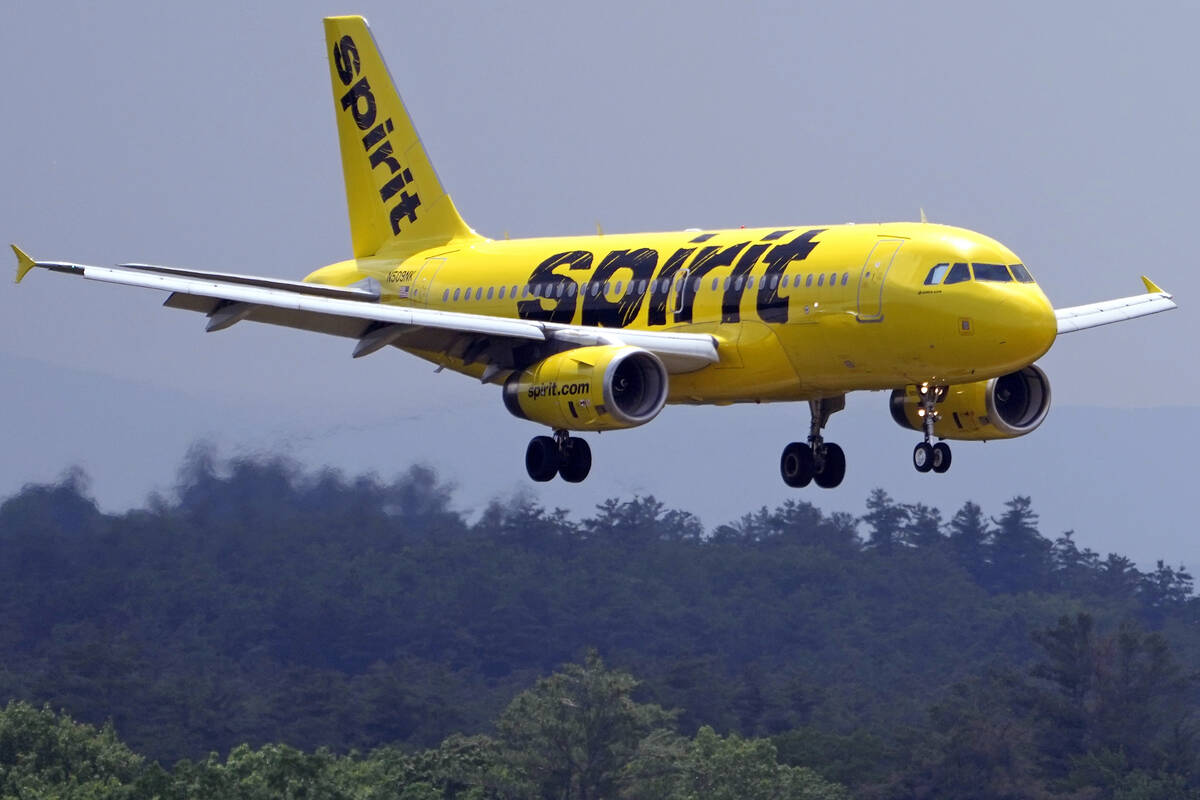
(396, 201)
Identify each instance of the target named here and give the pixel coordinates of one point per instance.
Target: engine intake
(1000, 408)
(606, 387)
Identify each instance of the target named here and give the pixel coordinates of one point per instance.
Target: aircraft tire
(577, 461)
(834, 468)
(796, 465)
(923, 457)
(941, 457)
(541, 458)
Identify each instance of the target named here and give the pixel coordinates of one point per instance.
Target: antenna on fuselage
(923, 219)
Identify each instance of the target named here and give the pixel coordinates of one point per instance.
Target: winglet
(24, 263)
(1152, 287)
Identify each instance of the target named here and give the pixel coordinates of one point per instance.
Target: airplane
(599, 333)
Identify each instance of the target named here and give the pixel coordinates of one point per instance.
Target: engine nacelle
(1001, 408)
(601, 388)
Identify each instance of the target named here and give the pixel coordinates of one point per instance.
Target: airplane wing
(1077, 318)
(357, 313)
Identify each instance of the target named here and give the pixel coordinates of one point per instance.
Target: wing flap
(1106, 312)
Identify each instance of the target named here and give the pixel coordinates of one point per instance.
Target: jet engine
(1001, 408)
(600, 388)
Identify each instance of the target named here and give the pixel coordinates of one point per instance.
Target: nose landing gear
(817, 460)
(561, 454)
(926, 456)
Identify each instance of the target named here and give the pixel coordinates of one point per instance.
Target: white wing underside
(1077, 318)
(357, 313)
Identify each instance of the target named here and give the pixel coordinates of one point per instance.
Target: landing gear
(817, 460)
(561, 454)
(926, 456)
(541, 458)
(576, 460)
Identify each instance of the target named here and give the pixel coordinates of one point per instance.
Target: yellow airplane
(598, 333)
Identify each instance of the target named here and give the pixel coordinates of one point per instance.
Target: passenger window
(936, 274)
(491, 289)
(992, 272)
(1020, 273)
(641, 287)
(525, 290)
(500, 295)
(607, 286)
(958, 273)
(833, 279)
(479, 293)
(737, 285)
(821, 279)
(696, 286)
(725, 285)
(774, 281)
(845, 278)
(445, 295)
(750, 282)
(715, 283)
(514, 292)
(571, 289)
(808, 281)
(456, 293)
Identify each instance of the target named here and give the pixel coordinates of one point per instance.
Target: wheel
(796, 464)
(923, 457)
(541, 458)
(833, 468)
(941, 457)
(577, 461)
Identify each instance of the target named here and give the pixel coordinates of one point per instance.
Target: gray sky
(203, 135)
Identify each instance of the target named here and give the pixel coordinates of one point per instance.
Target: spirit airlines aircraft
(598, 333)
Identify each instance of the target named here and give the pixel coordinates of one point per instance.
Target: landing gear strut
(928, 456)
(561, 454)
(817, 460)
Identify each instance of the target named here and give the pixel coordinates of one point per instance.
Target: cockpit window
(936, 274)
(958, 273)
(992, 272)
(1020, 273)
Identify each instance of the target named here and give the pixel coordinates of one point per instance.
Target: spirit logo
(359, 102)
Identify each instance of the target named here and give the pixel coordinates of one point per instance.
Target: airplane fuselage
(799, 312)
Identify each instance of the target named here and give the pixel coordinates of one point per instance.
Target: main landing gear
(928, 456)
(817, 460)
(561, 454)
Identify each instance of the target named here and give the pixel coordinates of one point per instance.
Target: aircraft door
(678, 295)
(421, 283)
(871, 277)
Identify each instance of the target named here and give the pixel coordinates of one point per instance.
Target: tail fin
(396, 201)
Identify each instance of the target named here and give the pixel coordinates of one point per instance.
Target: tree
(44, 755)
(970, 539)
(1020, 556)
(924, 526)
(669, 767)
(572, 734)
(886, 519)
(1100, 701)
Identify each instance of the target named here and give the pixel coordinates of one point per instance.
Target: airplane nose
(1030, 325)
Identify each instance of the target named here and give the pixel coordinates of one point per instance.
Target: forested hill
(261, 605)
